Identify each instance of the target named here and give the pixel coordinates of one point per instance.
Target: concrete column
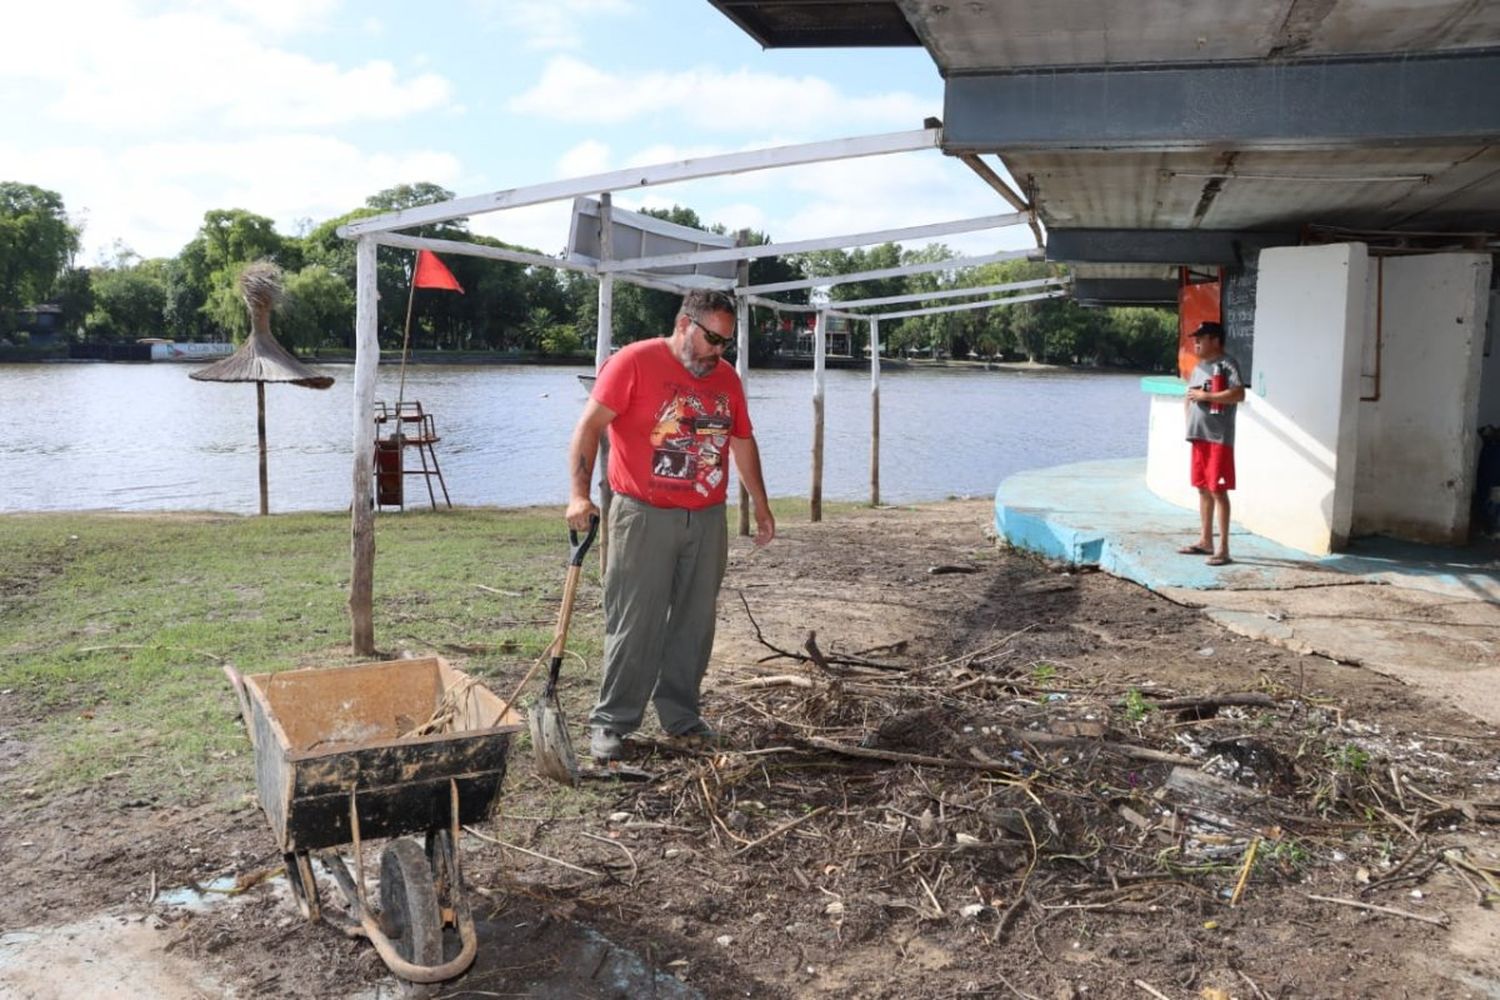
(1297, 431)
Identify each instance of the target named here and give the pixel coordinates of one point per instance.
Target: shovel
(549, 730)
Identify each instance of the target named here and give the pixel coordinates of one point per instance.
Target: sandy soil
(981, 791)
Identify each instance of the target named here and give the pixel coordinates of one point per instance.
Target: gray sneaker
(606, 744)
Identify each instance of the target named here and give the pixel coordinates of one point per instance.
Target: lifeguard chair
(406, 425)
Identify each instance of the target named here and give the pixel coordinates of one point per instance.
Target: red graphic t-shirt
(669, 441)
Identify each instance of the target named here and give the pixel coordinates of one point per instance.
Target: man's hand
(747, 460)
(580, 510)
(765, 525)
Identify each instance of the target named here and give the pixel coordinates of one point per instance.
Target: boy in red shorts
(1214, 389)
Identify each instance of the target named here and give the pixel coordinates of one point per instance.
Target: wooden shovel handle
(565, 616)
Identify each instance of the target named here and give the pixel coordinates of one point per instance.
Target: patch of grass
(1287, 854)
(1349, 757)
(1041, 673)
(1136, 706)
(114, 627)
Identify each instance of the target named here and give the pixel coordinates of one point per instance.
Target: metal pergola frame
(384, 230)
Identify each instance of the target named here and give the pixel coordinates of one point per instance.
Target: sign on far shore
(166, 350)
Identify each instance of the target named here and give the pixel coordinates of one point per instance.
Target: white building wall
(1296, 444)
(1168, 454)
(1418, 422)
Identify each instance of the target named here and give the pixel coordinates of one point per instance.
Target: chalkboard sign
(1237, 306)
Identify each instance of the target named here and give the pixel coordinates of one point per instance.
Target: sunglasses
(714, 339)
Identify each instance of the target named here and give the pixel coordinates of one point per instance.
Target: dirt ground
(985, 776)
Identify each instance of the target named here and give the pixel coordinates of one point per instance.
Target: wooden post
(362, 509)
(604, 338)
(874, 412)
(742, 365)
(260, 432)
(820, 350)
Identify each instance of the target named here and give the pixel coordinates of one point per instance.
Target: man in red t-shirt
(676, 412)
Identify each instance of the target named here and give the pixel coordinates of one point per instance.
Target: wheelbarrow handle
(580, 549)
(237, 682)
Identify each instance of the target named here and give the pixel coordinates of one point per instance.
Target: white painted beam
(823, 243)
(679, 284)
(962, 306)
(638, 177)
(480, 250)
(794, 307)
(950, 293)
(951, 264)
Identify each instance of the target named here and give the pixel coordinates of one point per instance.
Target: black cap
(1209, 329)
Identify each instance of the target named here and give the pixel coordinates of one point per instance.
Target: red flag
(433, 273)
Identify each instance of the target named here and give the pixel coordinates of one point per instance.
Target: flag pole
(411, 295)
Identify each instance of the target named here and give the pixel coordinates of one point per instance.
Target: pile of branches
(981, 787)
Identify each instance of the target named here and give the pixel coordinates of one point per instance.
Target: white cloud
(735, 216)
(154, 195)
(572, 90)
(588, 157)
(126, 71)
(551, 24)
(285, 16)
(543, 228)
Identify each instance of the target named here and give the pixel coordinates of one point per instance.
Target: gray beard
(700, 369)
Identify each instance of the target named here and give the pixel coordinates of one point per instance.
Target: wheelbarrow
(336, 763)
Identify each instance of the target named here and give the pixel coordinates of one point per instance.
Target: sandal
(1218, 560)
(1194, 550)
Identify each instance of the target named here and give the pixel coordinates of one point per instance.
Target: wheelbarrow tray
(325, 735)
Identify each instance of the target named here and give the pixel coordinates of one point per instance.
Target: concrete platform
(1426, 615)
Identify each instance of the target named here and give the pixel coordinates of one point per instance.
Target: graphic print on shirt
(689, 438)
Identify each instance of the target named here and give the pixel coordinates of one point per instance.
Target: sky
(144, 114)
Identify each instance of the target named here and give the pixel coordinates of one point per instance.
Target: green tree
(560, 339)
(317, 310)
(211, 263)
(184, 316)
(129, 301)
(37, 243)
(1145, 338)
(75, 296)
(437, 319)
(404, 196)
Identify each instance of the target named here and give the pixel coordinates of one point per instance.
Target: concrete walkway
(1425, 615)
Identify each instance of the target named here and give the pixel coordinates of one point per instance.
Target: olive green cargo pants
(661, 591)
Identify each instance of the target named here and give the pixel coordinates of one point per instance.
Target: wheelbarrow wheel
(409, 907)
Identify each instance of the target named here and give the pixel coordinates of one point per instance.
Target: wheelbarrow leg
(299, 877)
(443, 859)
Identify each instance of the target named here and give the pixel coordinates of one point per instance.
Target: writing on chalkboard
(1237, 310)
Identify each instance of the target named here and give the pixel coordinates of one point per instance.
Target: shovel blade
(550, 743)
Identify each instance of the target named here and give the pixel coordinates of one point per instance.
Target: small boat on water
(587, 381)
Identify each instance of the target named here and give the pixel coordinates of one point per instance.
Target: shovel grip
(580, 549)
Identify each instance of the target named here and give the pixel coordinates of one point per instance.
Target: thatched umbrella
(260, 358)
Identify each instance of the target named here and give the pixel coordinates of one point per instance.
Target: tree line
(506, 307)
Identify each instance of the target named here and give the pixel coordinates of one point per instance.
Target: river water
(146, 437)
